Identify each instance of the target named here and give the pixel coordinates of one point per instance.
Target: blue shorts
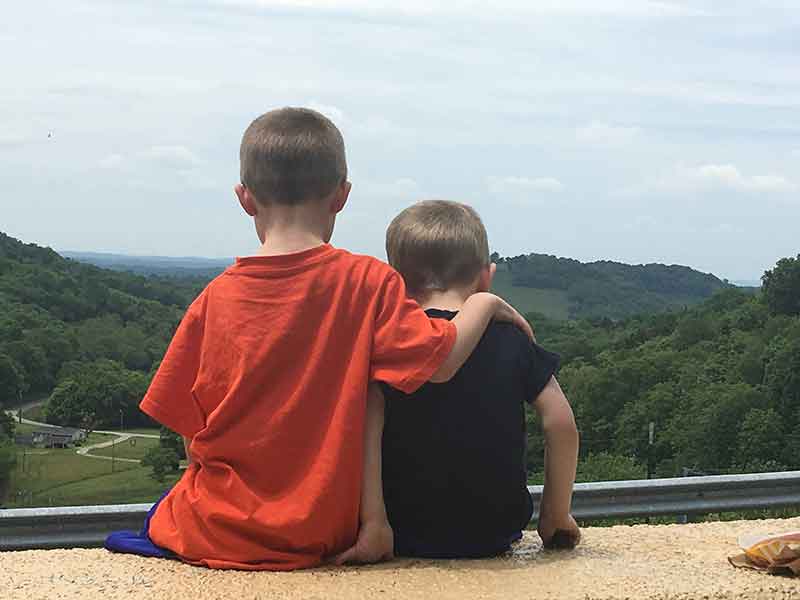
(130, 542)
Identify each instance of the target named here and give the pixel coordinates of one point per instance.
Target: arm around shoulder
(471, 322)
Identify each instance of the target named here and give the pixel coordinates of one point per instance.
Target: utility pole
(112, 455)
(121, 422)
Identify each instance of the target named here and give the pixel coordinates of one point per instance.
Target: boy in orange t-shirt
(267, 375)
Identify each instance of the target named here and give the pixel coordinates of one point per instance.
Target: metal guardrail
(87, 526)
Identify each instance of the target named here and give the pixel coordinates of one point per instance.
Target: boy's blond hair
(292, 155)
(437, 245)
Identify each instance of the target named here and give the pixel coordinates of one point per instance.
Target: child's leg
(375, 538)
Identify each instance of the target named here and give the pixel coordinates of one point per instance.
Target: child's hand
(375, 543)
(507, 313)
(563, 535)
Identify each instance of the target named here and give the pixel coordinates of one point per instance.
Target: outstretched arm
(375, 540)
(557, 528)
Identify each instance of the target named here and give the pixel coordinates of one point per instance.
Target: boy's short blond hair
(437, 245)
(292, 155)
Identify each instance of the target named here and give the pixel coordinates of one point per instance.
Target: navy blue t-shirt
(454, 474)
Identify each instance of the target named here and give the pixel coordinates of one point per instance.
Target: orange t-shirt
(268, 374)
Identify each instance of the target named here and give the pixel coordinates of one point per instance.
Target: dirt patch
(639, 562)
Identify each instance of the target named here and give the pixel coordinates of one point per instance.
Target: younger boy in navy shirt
(453, 467)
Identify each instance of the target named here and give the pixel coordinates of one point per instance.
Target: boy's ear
(246, 199)
(340, 197)
(486, 277)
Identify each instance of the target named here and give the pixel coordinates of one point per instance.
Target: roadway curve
(84, 450)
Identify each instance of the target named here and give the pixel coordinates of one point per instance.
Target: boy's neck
(451, 300)
(286, 230)
(289, 242)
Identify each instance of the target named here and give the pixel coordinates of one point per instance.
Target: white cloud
(112, 161)
(507, 8)
(8, 140)
(369, 126)
(403, 188)
(598, 133)
(172, 156)
(334, 113)
(729, 176)
(519, 185)
(712, 177)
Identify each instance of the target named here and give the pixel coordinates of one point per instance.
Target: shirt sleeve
(408, 346)
(539, 366)
(170, 400)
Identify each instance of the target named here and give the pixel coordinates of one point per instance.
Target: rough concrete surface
(670, 561)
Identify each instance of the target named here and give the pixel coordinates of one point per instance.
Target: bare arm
(560, 462)
(375, 540)
(471, 321)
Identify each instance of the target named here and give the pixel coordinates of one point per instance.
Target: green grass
(145, 430)
(551, 303)
(130, 486)
(61, 477)
(44, 476)
(125, 449)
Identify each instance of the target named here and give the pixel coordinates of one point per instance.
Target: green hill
(559, 288)
(566, 288)
(82, 331)
(552, 303)
(719, 381)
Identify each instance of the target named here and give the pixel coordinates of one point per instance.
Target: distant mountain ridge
(152, 265)
(607, 289)
(559, 288)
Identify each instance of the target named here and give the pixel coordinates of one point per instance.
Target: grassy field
(61, 477)
(551, 303)
(126, 449)
(42, 476)
(147, 430)
(129, 486)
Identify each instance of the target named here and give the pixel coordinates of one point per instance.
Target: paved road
(121, 437)
(84, 451)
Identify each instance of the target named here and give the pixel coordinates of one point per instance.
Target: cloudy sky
(634, 131)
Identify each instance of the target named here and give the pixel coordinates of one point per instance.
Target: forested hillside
(610, 289)
(89, 336)
(720, 382)
(560, 288)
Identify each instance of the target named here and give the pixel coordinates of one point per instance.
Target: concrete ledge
(640, 562)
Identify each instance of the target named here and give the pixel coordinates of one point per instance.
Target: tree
(12, 379)
(761, 440)
(604, 466)
(104, 388)
(8, 458)
(691, 330)
(781, 287)
(171, 440)
(782, 376)
(161, 461)
(6, 425)
(34, 363)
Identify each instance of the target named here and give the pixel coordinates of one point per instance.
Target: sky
(592, 129)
